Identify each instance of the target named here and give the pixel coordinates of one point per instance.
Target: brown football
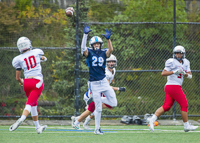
(69, 11)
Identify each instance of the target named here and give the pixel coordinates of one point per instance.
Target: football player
(29, 60)
(175, 69)
(96, 61)
(110, 73)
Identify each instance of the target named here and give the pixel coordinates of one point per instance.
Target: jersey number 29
(100, 61)
(31, 62)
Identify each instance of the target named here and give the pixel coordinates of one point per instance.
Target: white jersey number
(100, 61)
(31, 62)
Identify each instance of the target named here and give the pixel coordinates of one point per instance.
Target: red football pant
(31, 91)
(174, 93)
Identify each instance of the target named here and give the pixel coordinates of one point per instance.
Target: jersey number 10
(31, 62)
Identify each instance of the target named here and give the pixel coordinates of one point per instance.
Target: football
(69, 11)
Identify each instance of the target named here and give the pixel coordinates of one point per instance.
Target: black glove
(122, 89)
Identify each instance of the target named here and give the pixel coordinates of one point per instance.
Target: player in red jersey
(29, 60)
(175, 69)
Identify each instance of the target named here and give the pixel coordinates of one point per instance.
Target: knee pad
(184, 107)
(28, 107)
(166, 107)
(34, 111)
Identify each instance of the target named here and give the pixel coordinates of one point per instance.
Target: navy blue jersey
(96, 62)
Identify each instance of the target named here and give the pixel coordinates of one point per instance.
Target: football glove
(178, 71)
(87, 28)
(122, 89)
(108, 34)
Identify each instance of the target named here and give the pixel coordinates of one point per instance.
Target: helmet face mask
(96, 46)
(94, 40)
(111, 62)
(177, 50)
(23, 44)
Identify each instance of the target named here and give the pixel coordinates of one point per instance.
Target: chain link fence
(141, 50)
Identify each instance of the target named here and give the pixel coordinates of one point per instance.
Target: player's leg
(76, 123)
(33, 98)
(91, 108)
(39, 128)
(169, 101)
(96, 89)
(28, 87)
(180, 97)
(109, 94)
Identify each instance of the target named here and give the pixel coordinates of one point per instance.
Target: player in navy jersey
(96, 61)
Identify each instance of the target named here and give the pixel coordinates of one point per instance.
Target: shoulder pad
(39, 51)
(169, 62)
(15, 62)
(105, 49)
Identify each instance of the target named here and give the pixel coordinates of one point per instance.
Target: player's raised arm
(110, 47)
(84, 49)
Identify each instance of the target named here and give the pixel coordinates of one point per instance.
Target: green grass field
(113, 134)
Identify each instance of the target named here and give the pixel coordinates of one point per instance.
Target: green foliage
(152, 11)
(9, 24)
(103, 11)
(22, 4)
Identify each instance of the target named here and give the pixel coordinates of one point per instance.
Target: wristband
(189, 76)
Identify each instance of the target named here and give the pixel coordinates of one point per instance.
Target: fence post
(77, 60)
(174, 44)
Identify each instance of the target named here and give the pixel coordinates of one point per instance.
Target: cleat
(190, 128)
(90, 100)
(98, 132)
(86, 127)
(73, 119)
(77, 127)
(15, 125)
(151, 124)
(41, 129)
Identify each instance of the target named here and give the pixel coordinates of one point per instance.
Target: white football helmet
(179, 49)
(23, 43)
(95, 39)
(111, 58)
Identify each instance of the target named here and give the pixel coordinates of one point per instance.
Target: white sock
(87, 120)
(76, 118)
(37, 125)
(154, 117)
(76, 122)
(97, 119)
(23, 117)
(186, 124)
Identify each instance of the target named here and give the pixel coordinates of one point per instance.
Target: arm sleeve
(168, 65)
(83, 44)
(15, 63)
